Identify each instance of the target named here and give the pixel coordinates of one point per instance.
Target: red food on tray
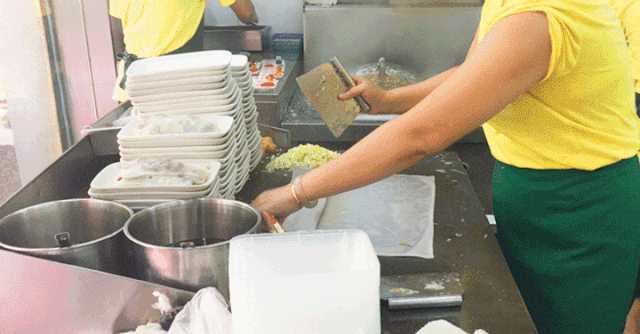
(279, 73)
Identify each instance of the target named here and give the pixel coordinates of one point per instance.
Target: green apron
(572, 241)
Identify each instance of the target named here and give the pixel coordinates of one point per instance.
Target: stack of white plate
(189, 84)
(219, 142)
(152, 189)
(240, 72)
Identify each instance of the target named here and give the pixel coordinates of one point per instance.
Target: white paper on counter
(396, 213)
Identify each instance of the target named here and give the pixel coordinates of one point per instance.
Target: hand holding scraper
(322, 85)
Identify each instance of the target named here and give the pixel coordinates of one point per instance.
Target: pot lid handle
(63, 239)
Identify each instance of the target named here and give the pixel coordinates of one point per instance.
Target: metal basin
(386, 75)
(82, 232)
(184, 244)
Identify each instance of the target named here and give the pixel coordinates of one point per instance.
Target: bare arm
(245, 11)
(499, 70)
(404, 98)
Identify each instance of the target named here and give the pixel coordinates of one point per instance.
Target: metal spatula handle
(348, 81)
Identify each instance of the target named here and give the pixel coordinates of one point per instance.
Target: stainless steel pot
(185, 244)
(83, 232)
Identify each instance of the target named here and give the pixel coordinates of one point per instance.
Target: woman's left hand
(278, 202)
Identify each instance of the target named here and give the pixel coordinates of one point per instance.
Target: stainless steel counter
(40, 296)
(463, 243)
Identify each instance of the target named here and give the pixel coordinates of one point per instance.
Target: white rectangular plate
(107, 181)
(135, 92)
(149, 195)
(192, 61)
(225, 93)
(223, 124)
(194, 80)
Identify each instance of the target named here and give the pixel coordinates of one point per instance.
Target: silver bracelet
(301, 200)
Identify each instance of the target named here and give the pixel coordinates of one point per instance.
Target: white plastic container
(321, 282)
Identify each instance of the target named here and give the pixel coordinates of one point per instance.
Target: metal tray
(237, 38)
(103, 133)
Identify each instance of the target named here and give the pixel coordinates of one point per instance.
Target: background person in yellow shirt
(551, 82)
(159, 27)
(629, 13)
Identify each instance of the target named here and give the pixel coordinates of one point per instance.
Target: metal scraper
(322, 85)
(428, 290)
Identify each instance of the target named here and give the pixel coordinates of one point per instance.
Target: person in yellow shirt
(159, 27)
(559, 117)
(628, 12)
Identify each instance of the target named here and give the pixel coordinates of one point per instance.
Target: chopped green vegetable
(304, 156)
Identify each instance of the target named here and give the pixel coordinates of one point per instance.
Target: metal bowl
(83, 232)
(185, 244)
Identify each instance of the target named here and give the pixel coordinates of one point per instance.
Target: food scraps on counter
(404, 291)
(303, 156)
(268, 146)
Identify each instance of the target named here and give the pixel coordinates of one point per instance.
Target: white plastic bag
(444, 327)
(206, 313)
(150, 328)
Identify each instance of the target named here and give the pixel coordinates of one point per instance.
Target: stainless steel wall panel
(425, 40)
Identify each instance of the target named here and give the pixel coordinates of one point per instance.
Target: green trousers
(572, 241)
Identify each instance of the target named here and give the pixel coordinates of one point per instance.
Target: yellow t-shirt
(582, 114)
(157, 27)
(629, 13)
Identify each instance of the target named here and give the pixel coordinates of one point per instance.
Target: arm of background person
(245, 11)
(499, 70)
(117, 35)
(117, 9)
